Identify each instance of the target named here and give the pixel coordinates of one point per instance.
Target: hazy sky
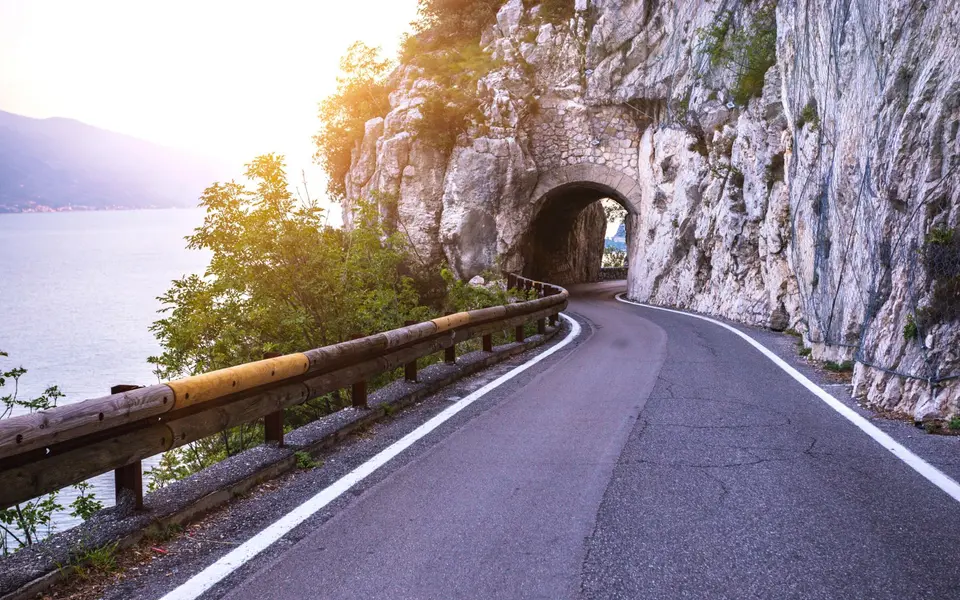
(225, 79)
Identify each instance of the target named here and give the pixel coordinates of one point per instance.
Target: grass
(838, 367)
(954, 423)
(96, 561)
(305, 460)
(805, 352)
(793, 332)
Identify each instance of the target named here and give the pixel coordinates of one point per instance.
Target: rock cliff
(790, 164)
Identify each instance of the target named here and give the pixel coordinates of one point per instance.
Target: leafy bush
(442, 22)
(29, 522)
(279, 279)
(748, 52)
(453, 104)
(810, 115)
(362, 94)
(910, 330)
(614, 257)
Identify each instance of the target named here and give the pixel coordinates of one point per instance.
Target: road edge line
(928, 471)
(213, 574)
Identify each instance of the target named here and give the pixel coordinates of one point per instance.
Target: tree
(279, 280)
(362, 94)
(27, 523)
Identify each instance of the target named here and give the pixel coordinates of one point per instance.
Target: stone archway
(564, 238)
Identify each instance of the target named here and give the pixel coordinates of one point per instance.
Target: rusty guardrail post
(273, 423)
(128, 479)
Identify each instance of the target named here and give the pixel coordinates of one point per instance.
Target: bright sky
(226, 79)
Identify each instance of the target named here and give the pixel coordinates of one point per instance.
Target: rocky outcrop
(809, 204)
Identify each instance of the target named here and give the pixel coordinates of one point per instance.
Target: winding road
(657, 456)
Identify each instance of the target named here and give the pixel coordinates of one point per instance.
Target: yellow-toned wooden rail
(48, 450)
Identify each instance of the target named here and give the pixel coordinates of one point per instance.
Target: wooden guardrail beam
(48, 450)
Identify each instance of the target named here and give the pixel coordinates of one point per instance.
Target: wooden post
(128, 479)
(450, 353)
(410, 369)
(359, 394)
(273, 423)
(488, 343)
(358, 391)
(541, 326)
(519, 333)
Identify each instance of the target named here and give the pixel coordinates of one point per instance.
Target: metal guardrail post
(488, 343)
(128, 479)
(519, 333)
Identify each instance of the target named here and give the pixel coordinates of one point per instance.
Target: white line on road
(233, 560)
(931, 473)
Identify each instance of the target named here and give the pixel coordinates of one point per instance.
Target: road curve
(661, 457)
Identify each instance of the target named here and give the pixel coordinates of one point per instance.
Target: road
(660, 457)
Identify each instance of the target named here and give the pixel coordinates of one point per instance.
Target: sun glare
(228, 80)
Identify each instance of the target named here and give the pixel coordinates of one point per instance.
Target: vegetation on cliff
(27, 523)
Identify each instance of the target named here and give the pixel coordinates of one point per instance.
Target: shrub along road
(659, 456)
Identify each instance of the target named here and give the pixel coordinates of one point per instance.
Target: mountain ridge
(59, 163)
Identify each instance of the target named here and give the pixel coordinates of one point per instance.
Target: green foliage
(279, 279)
(614, 211)
(942, 236)
(461, 296)
(614, 257)
(954, 423)
(809, 115)
(805, 351)
(452, 105)
(444, 22)
(838, 367)
(96, 562)
(305, 460)
(910, 330)
(27, 523)
(85, 504)
(362, 94)
(557, 11)
(713, 38)
(792, 332)
(747, 51)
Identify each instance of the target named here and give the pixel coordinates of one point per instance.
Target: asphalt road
(662, 457)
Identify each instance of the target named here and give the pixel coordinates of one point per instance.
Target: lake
(78, 294)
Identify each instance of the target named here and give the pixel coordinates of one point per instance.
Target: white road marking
(233, 560)
(931, 473)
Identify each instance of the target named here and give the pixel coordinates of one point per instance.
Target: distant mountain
(62, 164)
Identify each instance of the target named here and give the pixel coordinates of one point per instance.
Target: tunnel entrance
(567, 238)
(564, 240)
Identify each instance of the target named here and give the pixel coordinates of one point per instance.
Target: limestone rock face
(810, 206)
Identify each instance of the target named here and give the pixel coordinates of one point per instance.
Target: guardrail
(49, 450)
(613, 273)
